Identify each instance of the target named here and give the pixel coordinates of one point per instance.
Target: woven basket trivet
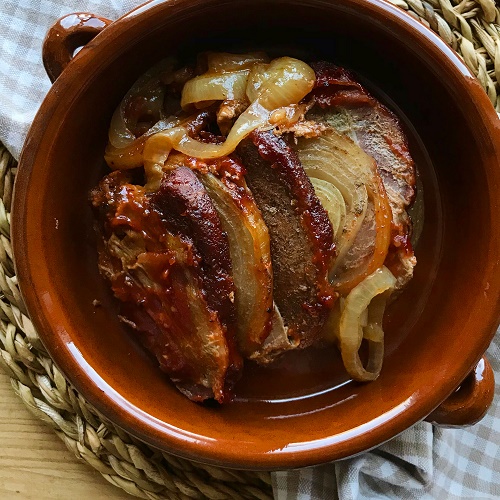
(471, 27)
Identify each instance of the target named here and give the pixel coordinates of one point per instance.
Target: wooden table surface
(35, 463)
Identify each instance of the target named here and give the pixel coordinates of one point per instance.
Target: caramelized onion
(285, 81)
(333, 202)
(351, 330)
(373, 329)
(151, 91)
(321, 159)
(258, 75)
(214, 87)
(383, 218)
(249, 247)
(131, 155)
(119, 134)
(335, 158)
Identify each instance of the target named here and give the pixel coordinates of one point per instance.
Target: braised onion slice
(226, 79)
(375, 316)
(119, 134)
(147, 92)
(214, 87)
(322, 160)
(382, 239)
(251, 259)
(335, 158)
(131, 155)
(351, 331)
(280, 83)
(333, 202)
(258, 75)
(263, 77)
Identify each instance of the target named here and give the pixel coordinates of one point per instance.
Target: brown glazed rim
(160, 434)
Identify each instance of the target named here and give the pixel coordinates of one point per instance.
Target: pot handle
(68, 34)
(470, 401)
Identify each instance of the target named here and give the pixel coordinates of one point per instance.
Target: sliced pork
(301, 235)
(175, 290)
(344, 104)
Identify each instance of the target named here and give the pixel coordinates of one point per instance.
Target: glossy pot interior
(304, 410)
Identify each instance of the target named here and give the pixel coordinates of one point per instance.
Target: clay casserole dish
(304, 410)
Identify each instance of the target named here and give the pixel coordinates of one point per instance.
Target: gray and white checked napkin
(423, 462)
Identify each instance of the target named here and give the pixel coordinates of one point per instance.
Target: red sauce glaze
(224, 167)
(157, 282)
(313, 216)
(187, 210)
(336, 86)
(230, 170)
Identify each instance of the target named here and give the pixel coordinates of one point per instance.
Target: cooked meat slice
(157, 275)
(300, 232)
(248, 240)
(185, 206)
(303, 128)
(344, 104)
(227, 113)
(379, 134)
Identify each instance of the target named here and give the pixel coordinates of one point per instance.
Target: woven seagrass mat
(471, 27)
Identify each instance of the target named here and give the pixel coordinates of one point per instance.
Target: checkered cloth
(422, 463)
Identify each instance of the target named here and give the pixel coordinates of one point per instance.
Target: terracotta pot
(304, 410)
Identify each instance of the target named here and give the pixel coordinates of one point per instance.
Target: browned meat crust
(300, 232)
(157, 274)
(187, 209)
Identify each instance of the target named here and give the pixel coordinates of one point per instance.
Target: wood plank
(35, 463)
